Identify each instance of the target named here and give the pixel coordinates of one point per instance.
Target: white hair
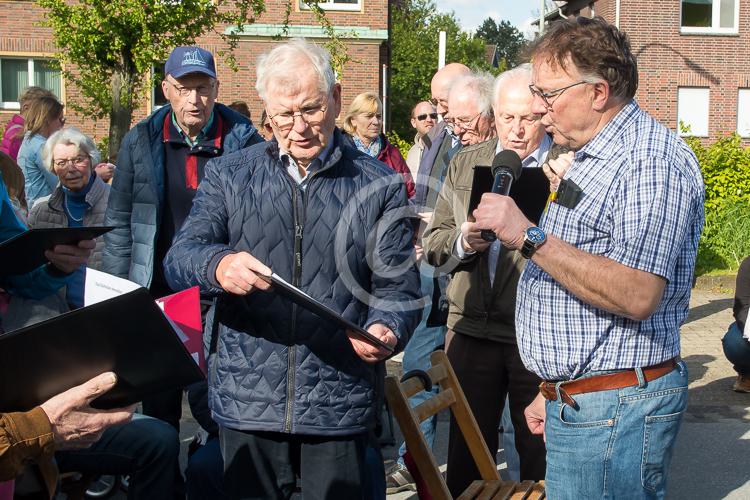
(479, 85)
(70, 136)
(281, 65)
(522, 71)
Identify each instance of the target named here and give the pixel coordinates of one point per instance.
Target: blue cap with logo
(184, 60)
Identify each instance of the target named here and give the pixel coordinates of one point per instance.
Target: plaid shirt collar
(600, 146)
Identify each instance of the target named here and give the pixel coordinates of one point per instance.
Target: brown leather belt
(609, 381)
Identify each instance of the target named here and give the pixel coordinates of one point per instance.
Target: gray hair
(70, 136)
(479, 85)
(281, 65)
(522, 71)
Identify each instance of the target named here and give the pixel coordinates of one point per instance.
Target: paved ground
(711, 455)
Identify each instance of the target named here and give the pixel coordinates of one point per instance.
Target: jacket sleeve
(118, 243)
(24, 437)
(396, 295)
(440, 235)
(203, 240)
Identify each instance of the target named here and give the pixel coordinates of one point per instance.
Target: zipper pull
(298, 231)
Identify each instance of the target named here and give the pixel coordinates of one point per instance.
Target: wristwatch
(533, 238)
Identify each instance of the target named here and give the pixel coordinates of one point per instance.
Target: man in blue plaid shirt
(608, 280)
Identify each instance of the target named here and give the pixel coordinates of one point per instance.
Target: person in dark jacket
(292, 393)
(363, 123)
(159, 166)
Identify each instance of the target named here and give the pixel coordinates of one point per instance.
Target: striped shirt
(642, 206)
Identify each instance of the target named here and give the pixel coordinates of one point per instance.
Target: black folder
(128, 335)
(530, 191)
(301, 298)
(25, 252)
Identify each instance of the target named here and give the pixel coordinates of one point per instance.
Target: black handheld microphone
(506, 167)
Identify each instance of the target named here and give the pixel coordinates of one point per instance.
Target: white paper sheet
(102, 286)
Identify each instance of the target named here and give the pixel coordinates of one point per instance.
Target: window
(335, 5)
(157, 96)
(692, 110)
(18, 73)
(709, 16)
(743, 112)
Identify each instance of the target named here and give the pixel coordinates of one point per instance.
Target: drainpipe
(617, 14)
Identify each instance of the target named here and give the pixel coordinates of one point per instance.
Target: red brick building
(25, 48)
(691, 59)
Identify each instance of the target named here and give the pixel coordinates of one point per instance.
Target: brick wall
(668, 59)
(21, 36)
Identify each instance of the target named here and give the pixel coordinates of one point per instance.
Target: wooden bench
(450, 396)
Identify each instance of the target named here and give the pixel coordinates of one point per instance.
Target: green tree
(509, 41)
(415, 28)
(108, 47)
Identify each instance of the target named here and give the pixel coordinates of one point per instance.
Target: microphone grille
(508, 160)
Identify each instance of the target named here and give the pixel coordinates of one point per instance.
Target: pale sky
(471, 13)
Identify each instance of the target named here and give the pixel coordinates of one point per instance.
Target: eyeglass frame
(320, 109)
(434, 101)
(424, 116)
(183, 91)
(463, 123)
(79, 160)
(535, 91)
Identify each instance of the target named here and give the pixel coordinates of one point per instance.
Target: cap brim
(186, 70)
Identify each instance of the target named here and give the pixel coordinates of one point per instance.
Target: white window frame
(332, 5)
(693, 132)
(15, 105)
(155, 106)
(744, 130)
(715, 20)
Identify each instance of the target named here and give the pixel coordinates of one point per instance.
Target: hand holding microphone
(506, 168)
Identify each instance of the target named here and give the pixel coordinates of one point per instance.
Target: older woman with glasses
(363, 123)
(80, 199)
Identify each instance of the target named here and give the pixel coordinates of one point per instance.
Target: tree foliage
(415, 28)
(108, 47)
(509, 41)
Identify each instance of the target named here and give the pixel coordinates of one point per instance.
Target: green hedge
(725, 241)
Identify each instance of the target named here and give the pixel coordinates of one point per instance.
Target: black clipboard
(293, 293)
(128, 335)
(25, 252)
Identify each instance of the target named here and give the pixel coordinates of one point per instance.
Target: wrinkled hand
(105, 171)
(369, 352)
(501, 214)
(536, 415)
(237, 273)
(471, 238)
(68, 258)
(74, 423)
(555, 169)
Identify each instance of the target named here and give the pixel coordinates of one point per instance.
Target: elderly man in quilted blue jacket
(294, 394)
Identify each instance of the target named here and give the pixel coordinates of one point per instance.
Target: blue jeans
(617, 443)
(204, 476)
(417, 357)
(145, 448)
(737, 349)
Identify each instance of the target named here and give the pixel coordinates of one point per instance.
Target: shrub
(402, 145)
(725, 241)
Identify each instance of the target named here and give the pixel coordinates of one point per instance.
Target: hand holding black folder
(295, 294)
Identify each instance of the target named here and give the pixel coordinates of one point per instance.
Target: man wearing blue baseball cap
(159, 166)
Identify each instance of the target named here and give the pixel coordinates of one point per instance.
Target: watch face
(535, 235)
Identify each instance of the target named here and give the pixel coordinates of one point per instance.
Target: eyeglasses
(465, 124)
(311, 115)
(203, 90)
(424, 116)
(442, 102)
(78, 161)
(535, 91)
